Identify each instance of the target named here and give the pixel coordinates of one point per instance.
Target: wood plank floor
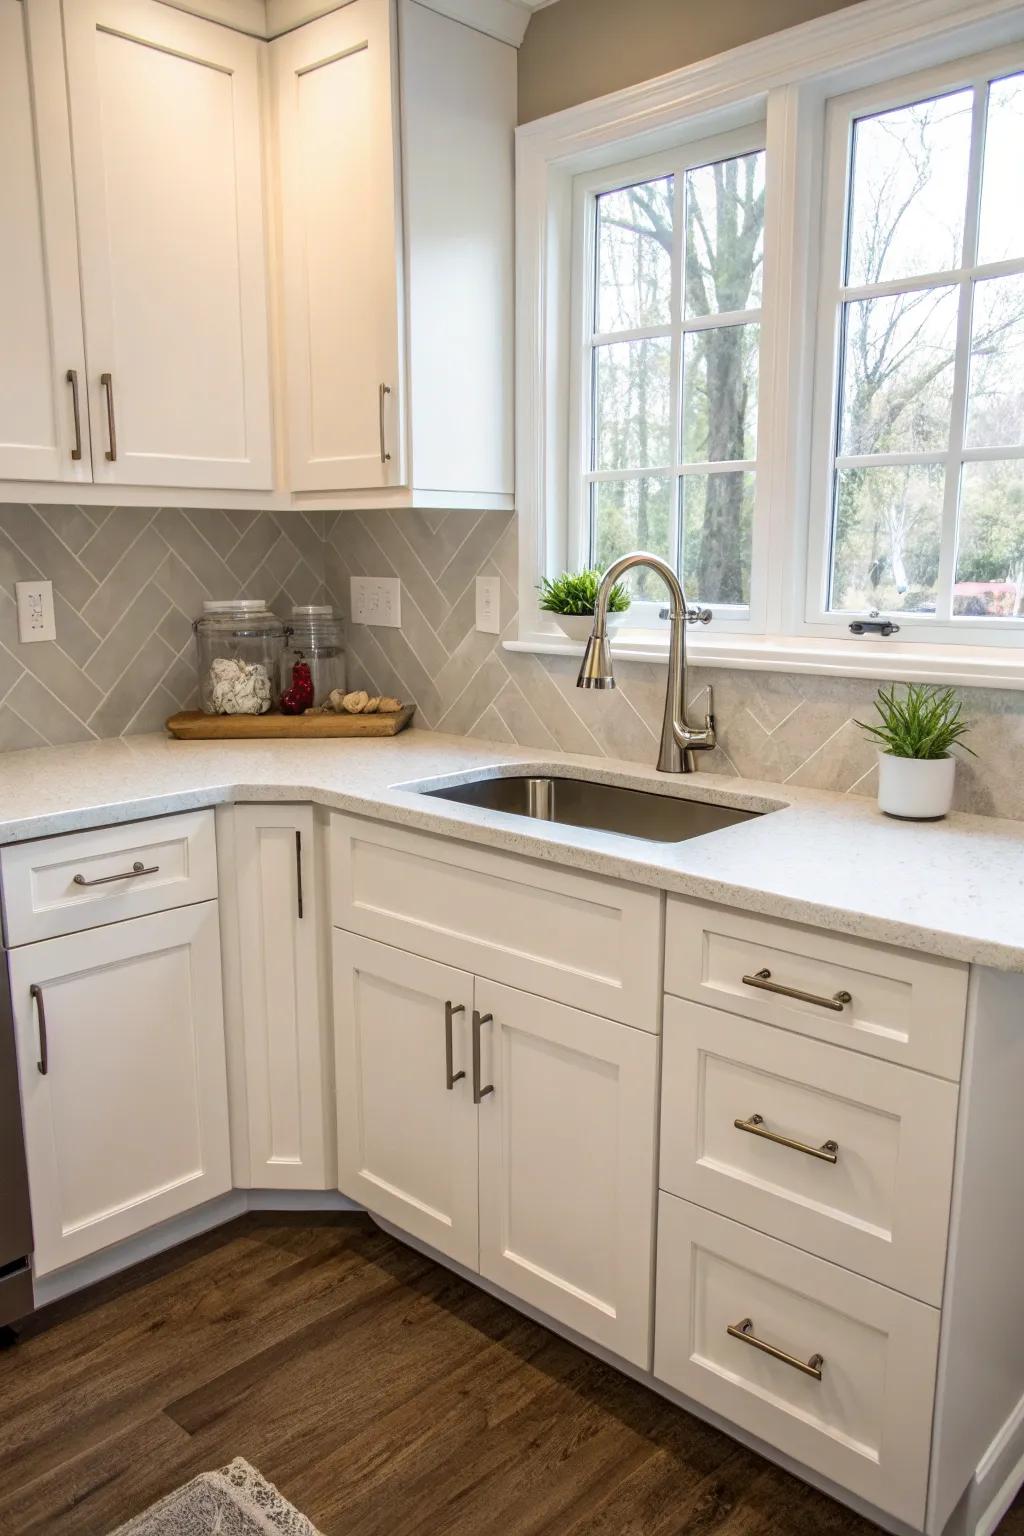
(383, 1396)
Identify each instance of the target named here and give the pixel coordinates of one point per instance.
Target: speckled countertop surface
(953, 888)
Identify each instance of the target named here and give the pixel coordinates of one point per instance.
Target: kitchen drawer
(575, 938)
(881, 1208)
(904, 1007)
(866, 1423)
(177, 856)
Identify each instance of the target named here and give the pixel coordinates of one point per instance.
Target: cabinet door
(128, 1125)
(42, 357)
(279, 969)
(567, 1170)
(407, 1132)
(166, 128)
(340, 240)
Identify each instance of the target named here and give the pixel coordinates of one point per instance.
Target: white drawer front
(867, 1422)
(578, 939)
(177, 859)
(904, 1007)
(881, 1208)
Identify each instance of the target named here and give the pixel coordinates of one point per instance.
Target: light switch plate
(376, 600)
(488, 605)
(36, 619)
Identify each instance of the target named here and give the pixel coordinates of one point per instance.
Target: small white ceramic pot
(578, 626)
(915, 789)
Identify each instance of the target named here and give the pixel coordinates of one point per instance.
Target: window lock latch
(874, 624)
(695, 614)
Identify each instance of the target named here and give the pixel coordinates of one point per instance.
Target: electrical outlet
(488, 605)
(376, 600)
(35, 611)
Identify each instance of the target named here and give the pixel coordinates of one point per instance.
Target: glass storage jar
(238, 655)
(315, 637)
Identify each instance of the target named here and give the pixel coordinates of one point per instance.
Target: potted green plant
(915, 734)
(572, 597)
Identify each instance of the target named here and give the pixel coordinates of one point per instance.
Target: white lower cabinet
(830, 1368)
(120, 1038)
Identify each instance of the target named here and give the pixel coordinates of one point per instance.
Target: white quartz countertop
(953, 888)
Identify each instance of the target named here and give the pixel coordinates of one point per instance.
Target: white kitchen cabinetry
(165, 120)
(282, 996)
(396, 255)
(121, 1057)
(42, 359)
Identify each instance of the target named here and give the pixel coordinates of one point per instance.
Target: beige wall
(578, 49)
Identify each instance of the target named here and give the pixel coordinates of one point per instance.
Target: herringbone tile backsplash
(128, 582)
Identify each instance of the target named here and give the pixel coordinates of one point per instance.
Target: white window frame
(784, 80)
(642, 617)
(969, 73)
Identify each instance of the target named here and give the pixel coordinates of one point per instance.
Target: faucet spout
(679, 740)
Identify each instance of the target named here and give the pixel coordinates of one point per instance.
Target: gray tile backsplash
(127, 583)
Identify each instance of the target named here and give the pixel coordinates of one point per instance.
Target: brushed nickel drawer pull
(72, 378)
(450, 1075)
(763, 980)
(36, 994)
(108, 389)
(298, 872)
(383, 390)
(129, 874)
(479, 1020)
(743, 1330)
(828, 1152)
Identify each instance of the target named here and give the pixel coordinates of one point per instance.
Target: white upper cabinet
(396, 258)
(165, 119)
(42, 358)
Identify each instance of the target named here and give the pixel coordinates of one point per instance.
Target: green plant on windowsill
(924, 724)
(574, 594)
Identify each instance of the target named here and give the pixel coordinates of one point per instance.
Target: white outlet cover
(36, 620)
(488, 605)
(376, 600)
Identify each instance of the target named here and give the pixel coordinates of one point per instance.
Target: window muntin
(669, 375)
(926, 472)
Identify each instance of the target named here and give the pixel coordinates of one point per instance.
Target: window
(923, 483)
(670, 309)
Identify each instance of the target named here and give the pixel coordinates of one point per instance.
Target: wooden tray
(193, 725)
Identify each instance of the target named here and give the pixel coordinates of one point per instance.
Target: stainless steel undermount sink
(605, 807)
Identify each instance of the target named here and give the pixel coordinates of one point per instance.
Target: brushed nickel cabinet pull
(762, 979)
(450, 1075)
(128, 874)
(72, 378)
(108, 388)
(828, 1152)
(479, 1020)
(744, 1331)
(298, 871)
(383, 390)
(36, 994)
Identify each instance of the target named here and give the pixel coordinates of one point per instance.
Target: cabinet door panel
(567, 1168)
(166, 127)
(407, 1144)
(129, 1124)
(40, 306)
(340, 240)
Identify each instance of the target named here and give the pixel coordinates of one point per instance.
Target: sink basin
(606, 807)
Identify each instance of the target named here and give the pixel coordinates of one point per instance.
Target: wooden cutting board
(193, 725)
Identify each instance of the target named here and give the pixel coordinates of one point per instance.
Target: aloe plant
(924, 723)
(574, 593)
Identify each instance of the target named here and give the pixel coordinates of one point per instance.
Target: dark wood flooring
(383, 1396)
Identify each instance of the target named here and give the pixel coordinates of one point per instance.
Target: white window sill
(962, 666)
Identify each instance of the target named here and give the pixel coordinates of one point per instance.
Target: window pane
(627, 515)
(634, 256)
(720, 394)
(995, 406)
(717, 519)
(1002, 207)
(888, 525)
(909, 189)
(898, 372)
(632, 404)
(990, 557)
(724, 235)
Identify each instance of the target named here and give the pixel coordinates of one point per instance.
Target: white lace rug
(236, 1501)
